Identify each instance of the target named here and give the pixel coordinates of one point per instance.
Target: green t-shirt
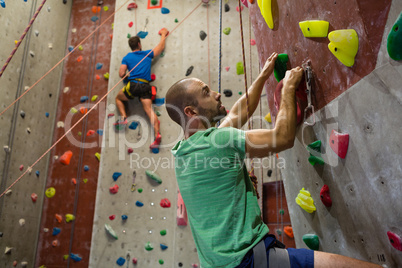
(221, 202)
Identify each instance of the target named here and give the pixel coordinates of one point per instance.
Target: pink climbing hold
(34, 197)
(135, 260)
(395, 240)
(165, 203)
(110, 115)
(130, 24)
(112, 217)
(227, 69)
(114, 189)
(130, 150)
(252, 42)
(244, 2)
(21, 167)
(325, 197)
(132, 6)
(339, 143)
(237, 8)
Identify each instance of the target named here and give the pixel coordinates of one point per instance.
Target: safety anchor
(309, 76)
(133, 185)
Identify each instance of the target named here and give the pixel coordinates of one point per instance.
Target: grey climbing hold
(203, 35)
(22, 114)
(189, 70)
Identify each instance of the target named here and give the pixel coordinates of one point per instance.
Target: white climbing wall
(42, 48)
(184, 48)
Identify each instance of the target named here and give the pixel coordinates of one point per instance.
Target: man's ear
(189, 111)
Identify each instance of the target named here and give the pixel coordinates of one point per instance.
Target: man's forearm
(286, 118)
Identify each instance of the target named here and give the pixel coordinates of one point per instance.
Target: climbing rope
(209, 60)
(22, 38)
(220, 46)
(57, 64)
(29, 169)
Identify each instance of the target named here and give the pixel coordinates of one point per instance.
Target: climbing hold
(116, 175)
(153, 77)
(227, 92)
(84, 180)
(99, 66)
(80, 47)
(100, 132)
(34, 197)
(22, 114)
(176, 20)
(58, 217)
(55, 243)
(163, 232)
(278, 231)
(314, 28)
(135, 260)
(244, 2)
(86, 168)
(66, 89)
(394, 40)
(47, 114)
(110, 115)
(133, 125)
(94, 18)
(65, 257)
(165, 203)
(8, 250)
(227, 30)
(29, 132)
(305, 201)
(266, 12)
(129, 35)
(21, 222)
(24, 264)
(314, 159)
(153, 176)
(325, 197)
(140, 190)
(227, 69)
(112, 217)
(9, 192)
(344, 45)
(75, 257)
(84, 99)
(268, 118)
(312, 241)
(141, 34)
(79, 133)
(96, 9)
(130, 150)
(203, 35)
(105, 8)
(227, 7)
(252, 42)
(237, 8)
(56, 231)
(2, 3)
(132, 6)
(83, 110)
(280, 66)
(32, 53)
(7, 149)
(395, 240)
(159, 101)
(37, 173)
(148, 246)
(158, 113)
(189, 70)
(110, 231)
(120, 261)
(124, 217)
(79, 59)
(45, 230)
(130, 24)
(50, 192)
(21, 167)
(288, 230)
(90, 132)
(339, 143)
(161, 261)
(114, 189)
(106, 76)
(70, 48)
(239, 68)
(282, 212)
(139, 204)
(164, 10)
(69, 217)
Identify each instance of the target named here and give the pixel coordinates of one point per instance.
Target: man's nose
(218, 96)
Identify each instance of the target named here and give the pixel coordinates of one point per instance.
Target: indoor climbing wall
(146, 222)
(354, 175)
(27, 127)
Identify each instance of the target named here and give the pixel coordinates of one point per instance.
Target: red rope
(209, 61)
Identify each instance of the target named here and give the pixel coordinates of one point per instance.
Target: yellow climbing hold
(105, 8)
(266, 12)
(50, 192)
(106, 76)
(344, 45)
(314, 28)
(70, 217)
(65, 257)
(73, 110)
(80, 48)
(304, 200)
(94, 98)
(268, 118)
(98, 155)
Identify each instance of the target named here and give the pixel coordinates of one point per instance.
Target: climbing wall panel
(42, 48)
(363, 101)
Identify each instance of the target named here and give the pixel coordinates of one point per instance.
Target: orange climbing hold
(96, 9)
(55, 243)
(83, 110)
(90, 132)
(59, 218)
(289, 231)
(66, 157)
(74, 181)
(79, 58)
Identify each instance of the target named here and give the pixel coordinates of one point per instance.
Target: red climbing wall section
(80, 78)
(331, 77)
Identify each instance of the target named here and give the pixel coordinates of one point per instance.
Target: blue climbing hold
(75, 257)
(142, 34)
(47, 114)
(120, 261)
(116, 175)
(99, 66)
(86, 168)
(124, 217)
(37, 173)
(2, 3)
(163, 247)
(155, 150)
(100, 132)
(70, 48)
(84, 99)
(56, 231)
(133, 125)
(139, 204)
(94, 18)
(164, 10)
(159, 101)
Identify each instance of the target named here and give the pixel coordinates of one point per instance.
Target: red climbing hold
(395, 240)
(165, 203)
(153, 77)
(110, 115)
(34, 197)
(55, 243)
(237, 8)
(288, 230)
(66, 157)
(325, 197)
(160, 31)
(227, 69)
(339, 143)
(130, 150)
(112, 217)
(130, 24)
(135, 260)
(114, 189)
(252, 42)
(90, 132)
(132, 6)
(21, 167)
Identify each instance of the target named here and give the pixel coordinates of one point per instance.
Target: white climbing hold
(60, 124)
(28, 130)
(21, 222)
(37, 33)
(8, 250)
(9, 192)
(29, 170)
(6, 149)
(26, 88)
(73, 30)
(66, 89)
(48, 9)
(56, 157)
(32, 53)
(46, 230)
(50, 45)
(24, 264)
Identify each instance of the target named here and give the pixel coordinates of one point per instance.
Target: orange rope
(209, 61)
(90, 110)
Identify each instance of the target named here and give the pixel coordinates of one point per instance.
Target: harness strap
(278, 258)
(141, 80)
(260, 255)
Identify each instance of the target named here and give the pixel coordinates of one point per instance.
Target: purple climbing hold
(164, 10)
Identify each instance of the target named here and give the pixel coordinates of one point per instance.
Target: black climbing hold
(227, 8)
(64, 1)
(269, 173)
(203, 35)
(1, 234)
(180, 264)
(189, 70)
(22, 113)
(227, 92)
(50, 95)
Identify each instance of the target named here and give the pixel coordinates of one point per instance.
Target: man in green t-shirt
(221, 202)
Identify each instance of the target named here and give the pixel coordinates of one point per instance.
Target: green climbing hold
(79, 133)
(239, 68)
(281, 66)
(140, 190)
(110, 231)
(162, 54)
(94, 98)
(128, 35)
(315, 148)
(153, 176)
(158, 113)
(50, 192)
(80, 47)
(240, 93)
(148, 246)
(279, 231)
(312, 241)
(176, 20)
(163, 232)
(227, 30)
(282, 212)
(315, 160)
(394, 41)
(154, 2)
(161, 261)
(85, 180)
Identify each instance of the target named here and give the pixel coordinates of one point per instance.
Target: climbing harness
(309, 76)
